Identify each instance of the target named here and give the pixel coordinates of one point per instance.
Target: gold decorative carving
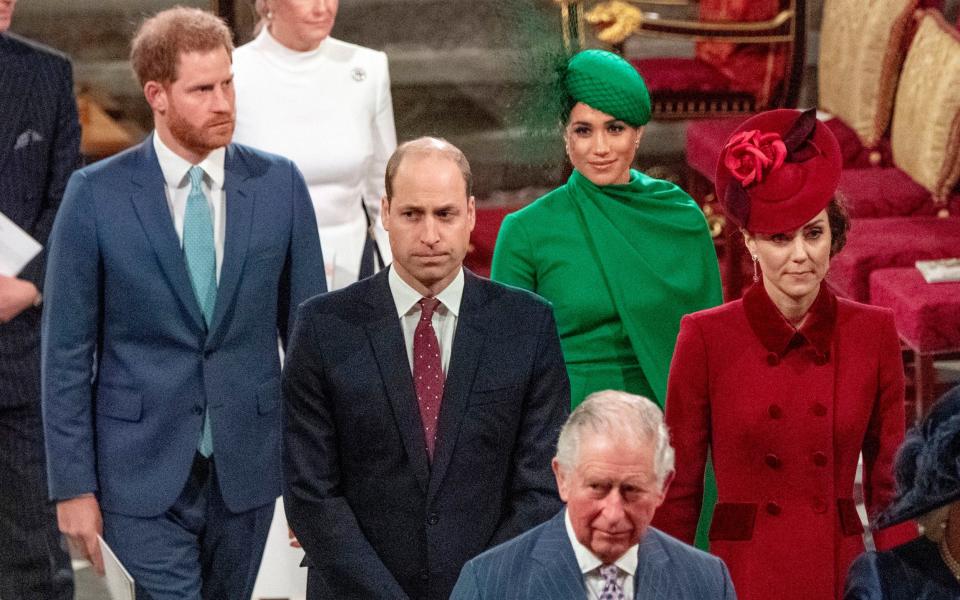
(614, 21)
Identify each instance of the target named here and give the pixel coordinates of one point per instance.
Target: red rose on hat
(751, 155)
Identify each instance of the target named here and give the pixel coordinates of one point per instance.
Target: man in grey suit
(613, 466)
(39, 148)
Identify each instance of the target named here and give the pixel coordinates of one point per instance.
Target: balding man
(613, 466)
(420, 403)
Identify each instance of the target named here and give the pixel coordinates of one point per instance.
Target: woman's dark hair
(839, 224)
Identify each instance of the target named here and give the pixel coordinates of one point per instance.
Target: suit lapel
(653, 579)
(151, 207)
(556, 572)
(16, 78)
(389, 349)
(239, 219)
(467, 345)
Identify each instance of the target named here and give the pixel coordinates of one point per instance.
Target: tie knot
(427, 306)
(196, 178)
(610, 573)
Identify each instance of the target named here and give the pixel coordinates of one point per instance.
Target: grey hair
(613, 413)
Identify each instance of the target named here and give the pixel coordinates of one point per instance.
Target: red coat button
(820, 409)
(821, 359)
(773, 461)
(775, 411)
(819, 505)
(772, 359)
(820, 459)
(773, 508)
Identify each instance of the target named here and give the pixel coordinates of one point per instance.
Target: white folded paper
(17, 248)
(119, 582)
(940, 271)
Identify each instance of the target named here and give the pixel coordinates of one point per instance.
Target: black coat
(911, 571)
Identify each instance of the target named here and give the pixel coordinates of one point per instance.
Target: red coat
(785, 414)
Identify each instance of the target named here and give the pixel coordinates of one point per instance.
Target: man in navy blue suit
(39, 149)
(613, 466)
(420, 404)
(172, 268)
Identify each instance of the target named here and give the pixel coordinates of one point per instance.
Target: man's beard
(201, 139)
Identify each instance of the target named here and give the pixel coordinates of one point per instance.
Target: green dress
(621, 264)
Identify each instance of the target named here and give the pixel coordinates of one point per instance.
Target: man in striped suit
(613, 466)
(39, 149)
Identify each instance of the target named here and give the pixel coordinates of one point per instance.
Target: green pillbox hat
(605, 81)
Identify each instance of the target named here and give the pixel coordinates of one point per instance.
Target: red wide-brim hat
(777, 171)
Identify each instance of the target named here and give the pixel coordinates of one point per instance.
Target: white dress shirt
(590, 565)
(444, 320)
(175, 171)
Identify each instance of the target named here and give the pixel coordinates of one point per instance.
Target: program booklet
(940, 271)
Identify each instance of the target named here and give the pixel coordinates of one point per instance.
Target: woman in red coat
(788, 385)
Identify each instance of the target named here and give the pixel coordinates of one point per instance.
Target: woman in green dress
(622, 256)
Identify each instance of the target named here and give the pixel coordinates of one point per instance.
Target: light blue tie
(201, 257)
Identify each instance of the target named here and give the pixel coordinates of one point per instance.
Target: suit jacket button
(773, 359)
(773, 508)
(198, 410)
(820, 409)
(433, 519)
(773, 461)
(775, 411)
(820, 459)
(424, 575)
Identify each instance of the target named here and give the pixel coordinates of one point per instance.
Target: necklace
(948, 558)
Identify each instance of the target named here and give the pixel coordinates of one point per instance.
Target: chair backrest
(766, 70)
(861, 53)
(925, 132)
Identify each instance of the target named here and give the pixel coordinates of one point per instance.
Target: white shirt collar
(588, 562)
(174, 167)
(405, 298)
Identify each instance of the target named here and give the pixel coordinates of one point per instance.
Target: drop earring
(756, 275)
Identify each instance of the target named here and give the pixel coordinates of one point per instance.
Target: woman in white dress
(326, 105)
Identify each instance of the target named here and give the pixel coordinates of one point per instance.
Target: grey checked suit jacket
(541, 564)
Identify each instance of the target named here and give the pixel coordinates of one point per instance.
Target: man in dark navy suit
(613, 466)
(173, 267)
(39, 149)
(421, 404)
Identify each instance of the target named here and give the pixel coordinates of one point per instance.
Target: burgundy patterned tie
(428, 372)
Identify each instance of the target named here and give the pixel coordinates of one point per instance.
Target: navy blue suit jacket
(39, 149)
(128, 362)
(541, 564)
(376, 519)
(911, 571)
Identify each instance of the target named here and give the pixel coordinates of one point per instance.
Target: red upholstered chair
(924, 142)
(484, 238)
(749, 53)
(928, 321)
(861, 55)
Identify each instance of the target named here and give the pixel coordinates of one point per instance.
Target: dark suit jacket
(541, 564)
(128, 362)
(911, 571)
(376, 520)
(39, 149)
